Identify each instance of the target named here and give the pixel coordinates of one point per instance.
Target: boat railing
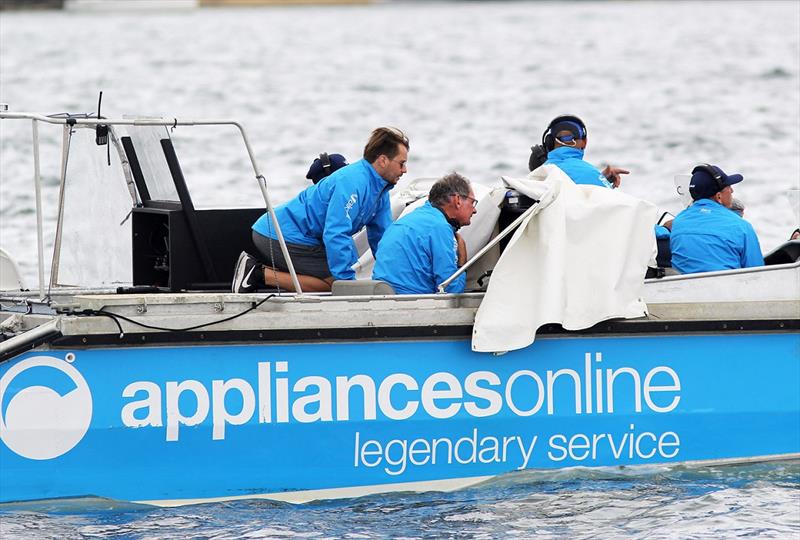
(489, 245)
(85, 120)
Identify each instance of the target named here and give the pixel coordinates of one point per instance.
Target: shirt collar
(564, 152)
(375, 178)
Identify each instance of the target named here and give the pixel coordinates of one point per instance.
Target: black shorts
(307, 260)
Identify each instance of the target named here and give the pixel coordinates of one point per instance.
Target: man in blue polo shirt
(708, 235)
(422, 249)
(318, 224)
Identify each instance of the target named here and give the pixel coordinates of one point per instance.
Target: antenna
(101, 131)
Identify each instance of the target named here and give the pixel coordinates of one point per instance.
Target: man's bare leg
(283, 280)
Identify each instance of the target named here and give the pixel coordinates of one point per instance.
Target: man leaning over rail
(318, 224)
(708, 235)
(422, 249)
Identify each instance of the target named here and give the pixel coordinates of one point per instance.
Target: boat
(129, 5)
(167, 389)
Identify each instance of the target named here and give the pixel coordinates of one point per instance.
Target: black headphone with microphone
(549, 138)
(712, 172)
(325, 161)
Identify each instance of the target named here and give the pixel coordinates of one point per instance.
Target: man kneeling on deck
(318, 224)
(422, 249)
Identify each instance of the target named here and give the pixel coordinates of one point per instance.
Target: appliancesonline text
(593, 390)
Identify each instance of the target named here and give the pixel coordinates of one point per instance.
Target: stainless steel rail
(493, 242)
(174, 122)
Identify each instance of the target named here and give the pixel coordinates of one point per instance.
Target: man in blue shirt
(565, 140)
(318, 224)
(422, 249)
(708, 236)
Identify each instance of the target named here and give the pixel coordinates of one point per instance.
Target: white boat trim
(453, 484)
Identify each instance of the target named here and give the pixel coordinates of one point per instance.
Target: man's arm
(379, 224)
(612, 174)
(336, 236)
(446, 256)
(751, 255)
(461, 250)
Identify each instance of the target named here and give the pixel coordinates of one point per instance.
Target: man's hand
(612, 174)
(461, 250)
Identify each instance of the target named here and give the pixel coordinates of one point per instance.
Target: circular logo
(39, 422)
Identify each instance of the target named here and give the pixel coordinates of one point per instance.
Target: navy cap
(704, 185)
(578, 131)
(324, 165)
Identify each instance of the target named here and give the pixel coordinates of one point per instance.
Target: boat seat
(788, 252)
(361, 287)
(10, 277)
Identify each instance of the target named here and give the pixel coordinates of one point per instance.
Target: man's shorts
(307, 260)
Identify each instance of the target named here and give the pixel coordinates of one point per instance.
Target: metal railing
(35, 118)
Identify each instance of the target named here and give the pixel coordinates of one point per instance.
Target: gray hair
(737, 206)
(447, 185)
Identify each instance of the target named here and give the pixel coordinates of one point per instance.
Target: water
(761, 500)
(661, 85)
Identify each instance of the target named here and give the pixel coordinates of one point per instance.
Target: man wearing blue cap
(565, 141)
(708, 235)
(318, 224)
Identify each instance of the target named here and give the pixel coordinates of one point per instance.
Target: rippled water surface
(661, 85)
(757, 501)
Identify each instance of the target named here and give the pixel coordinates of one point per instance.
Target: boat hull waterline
(295, 421)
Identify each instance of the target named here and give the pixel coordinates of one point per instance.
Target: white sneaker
(247, 275)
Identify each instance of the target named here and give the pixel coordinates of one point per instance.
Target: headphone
(712, 172)
(325, 161)
(549, 138)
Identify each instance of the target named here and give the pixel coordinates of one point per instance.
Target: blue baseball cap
(708, 180)
(324, 165)
(577, 130)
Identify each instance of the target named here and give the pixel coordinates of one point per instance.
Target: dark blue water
(755, 500)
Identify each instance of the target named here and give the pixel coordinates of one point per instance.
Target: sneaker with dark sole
(247, 275)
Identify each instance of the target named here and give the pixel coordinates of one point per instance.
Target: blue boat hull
(190, 423)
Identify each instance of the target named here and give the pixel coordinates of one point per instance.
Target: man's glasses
(474, 200)
(402, 163)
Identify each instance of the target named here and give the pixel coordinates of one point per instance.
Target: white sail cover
(578, 259)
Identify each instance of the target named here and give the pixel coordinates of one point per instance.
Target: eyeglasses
(402, 163)
(474, 200)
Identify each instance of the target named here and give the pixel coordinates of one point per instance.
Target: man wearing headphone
(708, 235)
(565, 141)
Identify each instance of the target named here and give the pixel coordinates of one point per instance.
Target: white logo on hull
(38, 422)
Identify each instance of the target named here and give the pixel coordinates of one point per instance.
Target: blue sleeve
(661, 232)
(379, 224)
(444, 257)
(337, 234)
(751, 255)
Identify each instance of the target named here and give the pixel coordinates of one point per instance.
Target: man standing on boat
(708, 235)
(565, 141)
(422, 249)
(318, 224)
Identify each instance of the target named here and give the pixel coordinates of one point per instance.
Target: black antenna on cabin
(101, 130)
